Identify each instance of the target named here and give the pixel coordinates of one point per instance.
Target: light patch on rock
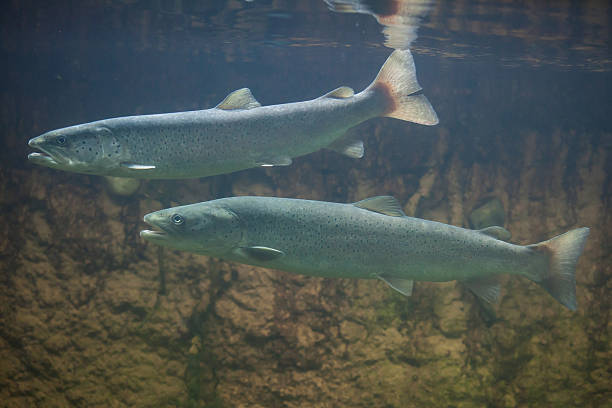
(122, 186)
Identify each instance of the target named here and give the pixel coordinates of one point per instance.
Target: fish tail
(563, 252)
(398, 82)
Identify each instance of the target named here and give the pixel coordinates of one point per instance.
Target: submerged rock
(121, 186)
(488, 214)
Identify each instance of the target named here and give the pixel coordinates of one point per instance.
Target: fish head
(203, 228)
(90, 148)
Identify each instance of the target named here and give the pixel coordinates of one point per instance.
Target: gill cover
(95, 148)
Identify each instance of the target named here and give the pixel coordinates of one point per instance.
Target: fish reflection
(400, 18)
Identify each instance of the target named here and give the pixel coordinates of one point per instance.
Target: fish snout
(154, 218)
(156, 234)
(34, 142)
(150, 220)
(41, 157)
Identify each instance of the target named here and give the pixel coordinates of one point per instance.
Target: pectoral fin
(276, 161)
(350, 148)
(403, 286)
(240, 99)
(259, 253)
(497, 232)
(382, 204)
(137, 166)
(487, 289)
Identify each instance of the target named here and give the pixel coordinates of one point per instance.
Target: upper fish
(237, 134)
(370, 239)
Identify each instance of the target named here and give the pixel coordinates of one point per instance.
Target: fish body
(371, 239)
(237, 134)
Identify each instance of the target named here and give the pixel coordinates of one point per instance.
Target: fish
(236, 134)
(369, 239)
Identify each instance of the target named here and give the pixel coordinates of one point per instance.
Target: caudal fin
(397, 80)
(563, 252)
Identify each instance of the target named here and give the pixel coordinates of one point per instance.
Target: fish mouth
(42, 159)
(148, 234)
(157, 234)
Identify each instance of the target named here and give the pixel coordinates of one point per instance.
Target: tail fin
(397, 79)
(563, 251)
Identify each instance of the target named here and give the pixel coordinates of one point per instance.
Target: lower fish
(237, 134)
(369, 239)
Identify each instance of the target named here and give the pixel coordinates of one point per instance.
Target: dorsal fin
(497, 232)
(340, 93)
(240, 99)
(386, 205)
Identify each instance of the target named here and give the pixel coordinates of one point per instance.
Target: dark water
(522, 90)
(84, 61)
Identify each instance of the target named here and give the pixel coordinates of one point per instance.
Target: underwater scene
(314, 203)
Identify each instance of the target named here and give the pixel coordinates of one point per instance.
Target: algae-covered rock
(84, 321)
(351, 331)
(122, 186)
(488, 214)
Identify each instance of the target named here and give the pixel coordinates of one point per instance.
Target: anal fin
(487, 288)
(350, 148)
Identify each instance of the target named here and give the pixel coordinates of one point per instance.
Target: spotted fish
(237, 134)
(370, 239)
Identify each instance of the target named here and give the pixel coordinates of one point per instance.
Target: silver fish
(237, 134)
(370, 239)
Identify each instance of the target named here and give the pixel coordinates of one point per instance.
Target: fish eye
(60, 140)
(177, 219)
